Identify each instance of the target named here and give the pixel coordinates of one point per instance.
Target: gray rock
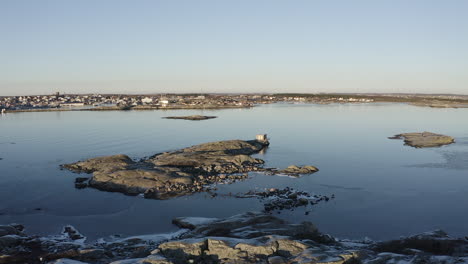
(9, 230)
(10, 240)
(182, 251)
(92, 254)
(326, 256)
(191, 117)
(435, 242)
(192, 222)
(72, 233)
(296, 170)
(267, 249)
(277, 260)
(103, 164)
(424, 139)
(253, 225)
(171, 174)
(289, 248)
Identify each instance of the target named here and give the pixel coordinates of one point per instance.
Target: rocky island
(174, 173)
(191, 117)
(424, 139)
(246, 238)
(181, 172)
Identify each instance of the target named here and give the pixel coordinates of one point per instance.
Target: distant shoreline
(216, 101)
(453, 105)
(116, 108)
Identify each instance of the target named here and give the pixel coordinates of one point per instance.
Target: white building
(147, 100)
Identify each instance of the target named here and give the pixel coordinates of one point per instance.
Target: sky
(220, 46)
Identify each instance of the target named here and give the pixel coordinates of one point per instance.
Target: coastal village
(89, 101)
(102, 102)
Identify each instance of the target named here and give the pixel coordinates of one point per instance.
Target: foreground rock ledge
(191, 117)
(246, 238)
(424, 139)
(171, 174)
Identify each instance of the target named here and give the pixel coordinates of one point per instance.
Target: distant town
(66, 102)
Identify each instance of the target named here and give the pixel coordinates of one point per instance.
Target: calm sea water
(383, 189)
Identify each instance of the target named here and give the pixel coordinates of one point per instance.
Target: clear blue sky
(233, 46)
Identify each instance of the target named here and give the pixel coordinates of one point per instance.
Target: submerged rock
(424, 139)
(284, 199)
(191, 117)
(171, 174)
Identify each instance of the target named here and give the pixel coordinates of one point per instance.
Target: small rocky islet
(293, 170)
(177, 173)
(247, 238)
(424, 139)
(172, 174)
(191, 117)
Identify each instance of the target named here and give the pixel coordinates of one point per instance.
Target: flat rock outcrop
(191, 117)
(424, 139)
(294, 170)
(246, 238)
(174, 173)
